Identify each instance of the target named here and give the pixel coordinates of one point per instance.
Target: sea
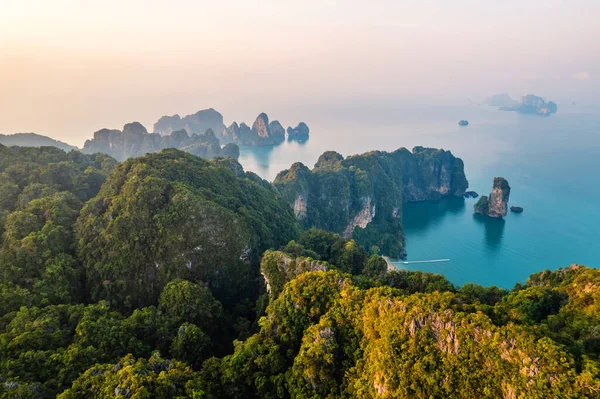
(551, 163)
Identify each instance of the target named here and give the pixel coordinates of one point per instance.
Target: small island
(516, 209)
(496, 205)
(463, 122)
(531, 104)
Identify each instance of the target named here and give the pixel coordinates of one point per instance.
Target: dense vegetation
(361, 196)
(145, 280)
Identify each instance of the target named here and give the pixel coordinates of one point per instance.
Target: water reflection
(420, 216)
(256, 158)
(494, 230)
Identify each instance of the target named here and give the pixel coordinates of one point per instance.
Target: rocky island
(496, 205)
(298, 133)
(361, 196)
(262, 132)
(531, 104)
(134, 141)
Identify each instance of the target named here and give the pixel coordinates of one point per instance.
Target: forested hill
(169, 276)
(361, 196)
(33, 140)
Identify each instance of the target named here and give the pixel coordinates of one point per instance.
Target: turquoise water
(552, 165)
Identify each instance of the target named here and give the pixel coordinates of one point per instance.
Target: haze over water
(550, 163)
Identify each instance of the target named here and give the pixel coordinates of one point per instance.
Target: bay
(551, 163)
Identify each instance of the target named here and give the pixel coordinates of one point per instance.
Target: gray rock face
(197, 123)
(261, 133)
(496, 205)
(135, 141)
(300, 132)
(277, 131)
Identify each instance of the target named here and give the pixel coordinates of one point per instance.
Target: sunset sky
(68, 68)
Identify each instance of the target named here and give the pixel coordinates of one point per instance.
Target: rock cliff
(261, 133)
(361, 196)
(496, 205)
(278, 268)
(134, 141)
(299, 132)
(197, 123)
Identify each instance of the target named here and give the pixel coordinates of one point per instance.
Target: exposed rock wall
(277, 268)
(496, 205)
(135, 141)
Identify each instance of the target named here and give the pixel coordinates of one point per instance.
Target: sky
(71, 67)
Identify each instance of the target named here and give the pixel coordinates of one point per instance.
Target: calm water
(552, 165)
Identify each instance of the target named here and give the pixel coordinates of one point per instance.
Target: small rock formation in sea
(463, 122)
(135, 141)
(516, 209)
(299, 132)
(471, 194)
(496, 205)
(531, 104)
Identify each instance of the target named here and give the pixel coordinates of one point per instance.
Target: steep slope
(170, 215)
(361, 196)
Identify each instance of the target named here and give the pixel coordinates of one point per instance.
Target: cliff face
(299, 132)
(361, 196)
(278, 268)
(135, 141)
(261, 133)
(496, 205)
(197, 123)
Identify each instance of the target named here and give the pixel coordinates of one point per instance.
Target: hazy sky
(70, 67)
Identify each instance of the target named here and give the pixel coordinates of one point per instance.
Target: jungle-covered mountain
(171, 276)
(361, 196)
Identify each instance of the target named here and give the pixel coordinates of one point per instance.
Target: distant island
(261, 133)
(463, 122)
(532, 104)
(203, 134)
(500, 100)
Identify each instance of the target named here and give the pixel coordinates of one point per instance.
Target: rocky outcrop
(362, 218)
(197, 123)
(277, 131)
(300, 132)
(277, 268)
(261, 133)
(516, 209)
(496, 205)
(361, 196)
(134, 141)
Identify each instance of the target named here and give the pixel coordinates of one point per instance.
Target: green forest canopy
(143, 279)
